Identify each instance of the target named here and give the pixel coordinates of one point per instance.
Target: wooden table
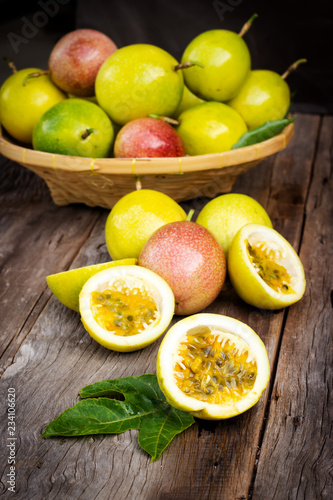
(280, 449)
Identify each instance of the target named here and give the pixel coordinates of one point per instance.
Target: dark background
(285, 31)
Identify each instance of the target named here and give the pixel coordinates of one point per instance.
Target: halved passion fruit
(126, 308)
(264, 268)
(212, 366)
(66, 286)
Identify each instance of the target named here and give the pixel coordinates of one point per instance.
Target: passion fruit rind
(259, 255)
(66, 286)
(128, 279)
(220, 326)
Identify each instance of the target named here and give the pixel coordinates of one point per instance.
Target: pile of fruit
(98, 101)
(208, 364)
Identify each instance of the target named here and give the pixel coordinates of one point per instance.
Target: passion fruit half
(264, 269)
(126, 308)
(66, 286)
(213, 366)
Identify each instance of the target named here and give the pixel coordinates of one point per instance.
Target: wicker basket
(102, 182)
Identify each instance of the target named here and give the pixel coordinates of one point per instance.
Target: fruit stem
(138, 184)
(247, 25)
(10, 63)
(165, 119)
(190, 215)
(34, 75)
(87, 132)
(188, 64)
(292, 68)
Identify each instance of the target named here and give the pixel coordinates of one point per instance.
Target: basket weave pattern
(102, 182)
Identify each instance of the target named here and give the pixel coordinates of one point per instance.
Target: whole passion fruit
(190, 260)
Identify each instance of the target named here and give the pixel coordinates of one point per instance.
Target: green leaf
(262, 133)
(144, 408)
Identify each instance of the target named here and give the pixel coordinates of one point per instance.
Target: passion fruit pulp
(212, 366)
(265, 261)
(264, 269)
(215, 366)
(126, 308)
(125, 311)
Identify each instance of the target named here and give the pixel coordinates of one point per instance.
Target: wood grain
(57, 358)
(297, 452)
(37, 239)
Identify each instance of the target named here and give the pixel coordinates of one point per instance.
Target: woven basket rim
(138, 166)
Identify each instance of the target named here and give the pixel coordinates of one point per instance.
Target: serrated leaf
(262, 133)
(144, 408)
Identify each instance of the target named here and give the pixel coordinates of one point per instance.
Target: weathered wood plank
(37, 238)
(58, 358)
(226, 456)
(297, 451)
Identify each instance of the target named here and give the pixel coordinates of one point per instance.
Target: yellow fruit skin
(139, 80)
(23, 105)
(164, 367)
(226, 61)
(210, 127)
(90, 99)
(188, 101)
(265, 96)
(225, 215)
(135, 217)
(248, 285)
(67, 286)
